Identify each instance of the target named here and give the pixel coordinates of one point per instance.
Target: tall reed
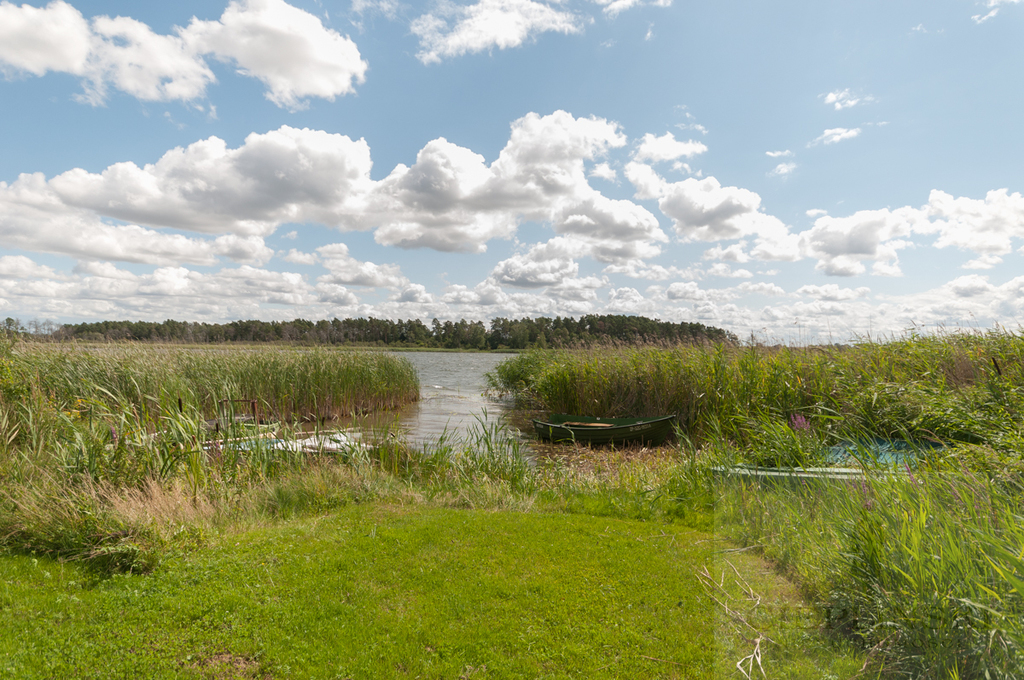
(926, 568)
(290, 384)
(953, 387)
(122, 419)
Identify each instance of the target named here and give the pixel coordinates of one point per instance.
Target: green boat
(586, 430)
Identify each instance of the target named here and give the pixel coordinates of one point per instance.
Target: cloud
(604, 171)
(835, 135)
(37, 40)
(21, 267)
(988, 227)
(297, 257)
(970, 286)
(833, 292)
(667, 148)
(612, 8)
(984, 226)
(286, 48)
(782, 169)
(995, 6)
(100, 290)
(388, 8)
(843, 99)
(546, 264)
(639, 269)
(721, 269)
(983, 262)
(345, 269)
(450, 199)
(286, 175)
(629, 301)
(779, 154)
(704, 210)
(689, 290)
(336, 295)
(415, 293)
(32, 217)
(453, 30)
(761, 288)
(733, 253)
(843, 244)
(581, 289)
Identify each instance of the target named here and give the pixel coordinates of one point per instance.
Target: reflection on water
(452, 397)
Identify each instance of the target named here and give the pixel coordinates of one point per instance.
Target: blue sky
(799, 170)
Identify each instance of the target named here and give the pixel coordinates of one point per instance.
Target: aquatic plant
(957, 387)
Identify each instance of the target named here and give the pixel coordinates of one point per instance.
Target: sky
(799, 171)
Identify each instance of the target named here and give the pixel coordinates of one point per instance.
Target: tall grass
(108, 457)
(924, 564)
(925, 568)
(289, 384)
(955, 387)
(80, 429)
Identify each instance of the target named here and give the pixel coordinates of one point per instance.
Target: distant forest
(501, 334)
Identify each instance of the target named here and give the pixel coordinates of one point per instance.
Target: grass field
(386, 591)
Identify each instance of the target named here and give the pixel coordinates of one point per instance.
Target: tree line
(501, 333)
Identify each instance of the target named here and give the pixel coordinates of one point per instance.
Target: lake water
(452, 386)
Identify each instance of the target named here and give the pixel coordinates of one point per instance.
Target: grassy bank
(923, 564)
(458, 560)
(963, 388)
(387, 591)
(130, 549)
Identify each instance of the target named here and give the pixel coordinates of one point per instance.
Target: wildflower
(798, 422)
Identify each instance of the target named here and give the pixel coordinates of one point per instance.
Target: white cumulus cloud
(450, 199)
(545, 264)
(667, 148)
(453, 30)
(613, 8)
(782, 169)
(834, 135)
(347, 270)
(288, 49)
(843, 244)
(844, 99)
(832, 292)
(704, 210)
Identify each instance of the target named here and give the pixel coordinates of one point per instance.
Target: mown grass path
(380, 591)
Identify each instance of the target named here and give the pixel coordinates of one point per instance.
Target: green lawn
(377, 591)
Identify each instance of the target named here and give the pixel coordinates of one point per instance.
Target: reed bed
(921, 563)
(924, 569)
(289, 384)
(956, 387)
(81, 431)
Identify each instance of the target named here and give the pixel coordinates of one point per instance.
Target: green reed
(923, 565)
(119, 419)
(954, 387)
(924, 568)
(289, 384)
